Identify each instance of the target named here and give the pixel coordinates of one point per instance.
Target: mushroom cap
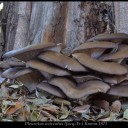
(119, 90)
(29, 52)
(41, 66)
(31, 80)
(83, 78)
(76, 92)
(114, 37)
(15, 72)
(121, 54)
(114, 79)
(10, 63)
(104, 67)
(51, 89)
(97, 44)
(62, 61)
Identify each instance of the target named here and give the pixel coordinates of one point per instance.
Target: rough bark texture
(69, 23)
(121, 16)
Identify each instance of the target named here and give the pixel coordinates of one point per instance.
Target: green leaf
(125, 115)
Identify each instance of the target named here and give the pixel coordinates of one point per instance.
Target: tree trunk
(69, 23)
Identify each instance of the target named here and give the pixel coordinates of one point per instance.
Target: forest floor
(17, 104)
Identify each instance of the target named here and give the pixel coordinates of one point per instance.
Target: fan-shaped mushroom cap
(29, 52)
(83, 78)
(114, 37)
(105, 67)
(62, 61)
(119, 90)
(69, 88)
(98, 44)
(114, 79)
(31, 80)
(41, 66)
(123, 53)
(51, 89)
(12, 73)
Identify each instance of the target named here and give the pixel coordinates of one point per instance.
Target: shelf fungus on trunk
(30, 52)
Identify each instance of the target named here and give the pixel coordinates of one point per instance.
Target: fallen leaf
(65, 115)
(13, 109)
(5, 90)
(34, 116)
(81, 108)
(15, 86)
(125, 115)
(116, 106)
(59, 101)
(39, 101)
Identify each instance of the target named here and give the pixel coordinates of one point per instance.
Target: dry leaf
(13, 109)
(125, 115)
(116, 106)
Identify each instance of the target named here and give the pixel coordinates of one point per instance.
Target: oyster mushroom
(29, 52)
(73, 91)
(51, 89)
(30, 78)
(119, 90)
(41, 66)
(104, 67)
(98, 44)
(13, 73)
(62, 61)
(114, 37)
(84, 78)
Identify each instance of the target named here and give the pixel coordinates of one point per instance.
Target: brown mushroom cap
(28, 52)
(114, 79)
(31, 80)
(119, 90)
(41, 66)
(105, 67)
(121, 54)
(83, 78)
(12, 73)
(51, 89)
(70, 90)
(10, 63)
(62, 61)
(98, 44)
(114, 37)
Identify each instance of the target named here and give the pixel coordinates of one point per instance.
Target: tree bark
(69, 23)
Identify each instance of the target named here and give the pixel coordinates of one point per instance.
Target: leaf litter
(17, 104)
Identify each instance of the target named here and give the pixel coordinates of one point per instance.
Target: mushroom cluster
(98, 65)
